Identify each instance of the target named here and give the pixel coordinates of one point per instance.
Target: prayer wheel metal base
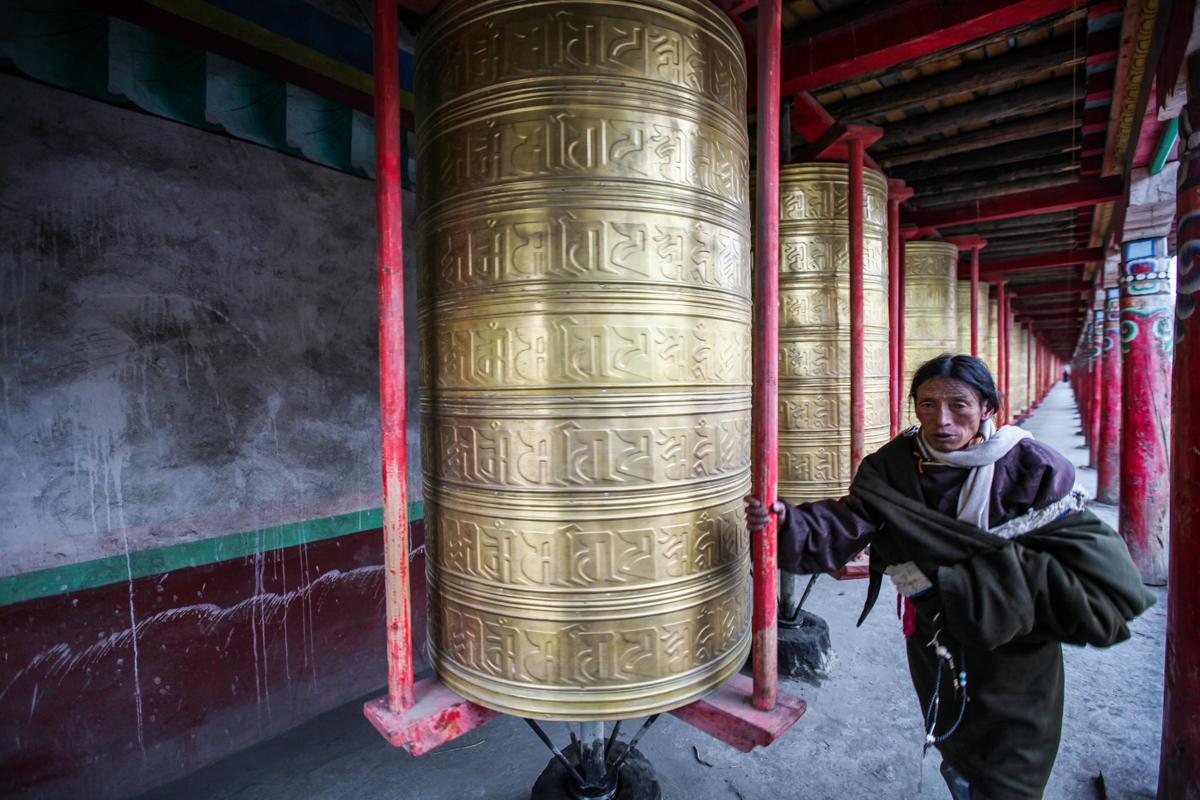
(584, 319)
(930, 308)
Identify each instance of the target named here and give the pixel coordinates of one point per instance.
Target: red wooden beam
(729, 715)
(1055, 198)
(834, 143)
(1048, 308)
(1068, 316)
(1045, 289)
(1063, 258)
(903, 31)
(810, 119)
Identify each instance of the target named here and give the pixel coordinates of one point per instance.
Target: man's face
(949, 413)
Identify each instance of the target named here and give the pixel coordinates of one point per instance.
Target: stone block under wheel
(804, 648)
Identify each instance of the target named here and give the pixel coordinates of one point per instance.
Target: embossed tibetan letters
(930, 308)
(814, 326)
(584, 281)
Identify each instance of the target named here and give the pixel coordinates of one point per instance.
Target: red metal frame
(766, 357)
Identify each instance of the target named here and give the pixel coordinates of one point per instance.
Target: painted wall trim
(159, 561)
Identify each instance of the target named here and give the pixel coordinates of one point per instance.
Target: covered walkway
(861, 737)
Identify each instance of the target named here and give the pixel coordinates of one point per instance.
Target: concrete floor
(861, 737)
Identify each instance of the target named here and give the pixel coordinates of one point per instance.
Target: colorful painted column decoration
(1108, 479)
(1096, 400)
(1179, 772)
(1146, 343)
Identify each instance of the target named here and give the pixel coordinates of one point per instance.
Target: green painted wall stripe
(102, 571)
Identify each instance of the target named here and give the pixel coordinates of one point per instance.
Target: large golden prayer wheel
(585, 331)
(814, 326)
(930, 308)
(964, 318)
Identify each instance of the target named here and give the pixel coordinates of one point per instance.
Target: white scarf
(975, 499)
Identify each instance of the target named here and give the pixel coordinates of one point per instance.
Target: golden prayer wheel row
(930, 308)
(814, 327)
(585, 353)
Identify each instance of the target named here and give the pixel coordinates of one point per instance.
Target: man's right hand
(757, 515)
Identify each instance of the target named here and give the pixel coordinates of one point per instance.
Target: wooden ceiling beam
(1050, 289)
(1063, 258)
(1072, 14)
(1013, 152)
(1014, 103)
(972, 76)
(1049, 308)
(1017, 234)
(998, 253)
(896, 33)
(988, 174)
(983, 228)
(1017, 130)
(1001, 189)
(1073, 195)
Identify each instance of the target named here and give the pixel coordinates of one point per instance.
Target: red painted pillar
(975, 301)
(390, 266)
(901, 305)
(895, 321)
(1096, 400)
(1179, 771)
(764, 547)
(1108, 479)
(1002, 349)
(858, 397)
(1146, 343)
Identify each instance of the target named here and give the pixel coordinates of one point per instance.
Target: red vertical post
(1031, 387)
(1108, 478)
(1179, 767)
(975, 301)
(1147, 314)
(903, 305)
(858, 397)
(895, 321)
(1097, 397)
(1002, 348)
(766, 356)
(1036, 344)
(390, 266)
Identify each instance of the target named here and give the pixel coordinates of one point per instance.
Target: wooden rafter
(899, 32)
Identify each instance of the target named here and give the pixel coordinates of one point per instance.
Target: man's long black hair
(968, 369)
